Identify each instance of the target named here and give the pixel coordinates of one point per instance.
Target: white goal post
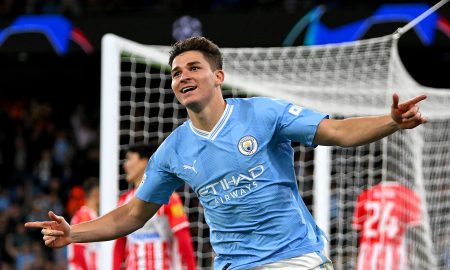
(343, 80)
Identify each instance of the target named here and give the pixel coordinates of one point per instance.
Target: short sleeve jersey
(243, 174)
(382, 214)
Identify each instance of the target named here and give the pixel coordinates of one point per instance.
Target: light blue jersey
(243, 173)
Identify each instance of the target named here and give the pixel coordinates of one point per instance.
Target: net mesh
(343, 80)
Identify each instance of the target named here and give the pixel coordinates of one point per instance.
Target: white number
(388, 224)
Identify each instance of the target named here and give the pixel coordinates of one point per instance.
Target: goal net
(343, 80)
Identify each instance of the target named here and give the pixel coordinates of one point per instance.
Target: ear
(220, 76)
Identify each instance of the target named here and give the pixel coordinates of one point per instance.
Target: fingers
(414, 100)
(411, 113)
(408, 103)
(395, 100)
(49, 240)
(49, 229)
(39, 224)
(407, 114)
(34, 224)
(412, 121)
(416, 118)
(419, 99)
(50, 236)
(50, 232)
(55, 220)
(54, 217)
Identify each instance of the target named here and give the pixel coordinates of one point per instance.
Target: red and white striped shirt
(382, 214)
(153, 247)
(83, 256)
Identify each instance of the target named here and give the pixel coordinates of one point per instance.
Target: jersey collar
(217, 128)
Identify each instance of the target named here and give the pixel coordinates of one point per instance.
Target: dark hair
(205, 46)
(90, 184)
(144, 150)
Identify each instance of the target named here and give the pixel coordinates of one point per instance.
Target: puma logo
(189, 167)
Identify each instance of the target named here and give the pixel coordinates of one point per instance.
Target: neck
(205, 117)
(138, 181)
(208, 117)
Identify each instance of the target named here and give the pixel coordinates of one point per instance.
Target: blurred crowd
(44, 159)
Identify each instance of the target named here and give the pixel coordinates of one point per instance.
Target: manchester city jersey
(243, 174)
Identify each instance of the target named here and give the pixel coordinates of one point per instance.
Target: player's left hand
(407, 114)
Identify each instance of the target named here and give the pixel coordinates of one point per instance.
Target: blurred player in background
(236, 154)
(83, 256)
(382, 215)
(164, 242)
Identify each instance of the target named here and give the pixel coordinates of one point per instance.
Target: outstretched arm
(363, 130)
(119, 222)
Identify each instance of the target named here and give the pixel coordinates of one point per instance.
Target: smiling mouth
(188, 89)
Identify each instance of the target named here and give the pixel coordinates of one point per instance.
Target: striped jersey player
(383, 213)
(154, 246)
(164, 242)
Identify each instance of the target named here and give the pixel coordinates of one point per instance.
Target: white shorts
(310, 261)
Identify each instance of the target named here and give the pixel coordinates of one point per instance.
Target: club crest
(248, 145)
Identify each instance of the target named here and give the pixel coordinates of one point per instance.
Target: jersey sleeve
(294, 122)
(175, 213)
(158, 183)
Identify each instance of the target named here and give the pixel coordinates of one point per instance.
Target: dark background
(30, 67)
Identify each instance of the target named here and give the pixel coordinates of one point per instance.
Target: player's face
(134, 167)
(193, 81)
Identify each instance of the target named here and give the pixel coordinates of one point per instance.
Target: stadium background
(49, 103)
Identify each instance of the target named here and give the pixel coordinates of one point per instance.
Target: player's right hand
(56, 231)
(407, 114)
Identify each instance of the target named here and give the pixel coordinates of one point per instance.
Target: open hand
(56, 231)
(407, 114)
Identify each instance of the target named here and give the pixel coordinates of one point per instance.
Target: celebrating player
(236, 155)
(164, 242)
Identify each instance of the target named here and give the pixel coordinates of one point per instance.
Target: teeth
(187, 89)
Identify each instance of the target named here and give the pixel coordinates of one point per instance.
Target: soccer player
(236, 155)
(382, 214)
(83, 256)
(164, 242)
